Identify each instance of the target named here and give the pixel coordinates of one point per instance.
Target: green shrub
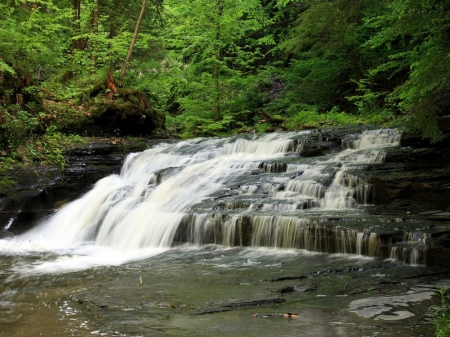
(442, 320)
(16, 127)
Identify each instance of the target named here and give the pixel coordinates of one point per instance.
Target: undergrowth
(46, 149)
(442, 318)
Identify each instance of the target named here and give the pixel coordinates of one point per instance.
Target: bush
(312, 119)
(442, 320)
(16, 127)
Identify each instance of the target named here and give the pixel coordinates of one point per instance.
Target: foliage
(442, 320)
(16, 127)
(6, 181)
(47, 149)
(307, 119)
(25, 46)
(215, 62)
(20, 142)
(394, 57)
(53, 56)
(367, 101)
(212, 66)
(417, 34)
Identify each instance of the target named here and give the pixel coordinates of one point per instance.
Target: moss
(129, 112)
(6, 181)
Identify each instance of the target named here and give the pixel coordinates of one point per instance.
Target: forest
(202, 68)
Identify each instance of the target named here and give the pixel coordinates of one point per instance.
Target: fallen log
(269, 118)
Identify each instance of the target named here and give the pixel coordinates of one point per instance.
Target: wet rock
(285, 278)
(412, 179)
(373, 307)
(412, 186)
(161, 305)
(308, 288)
(39, 192)
(441, 216)
(356, 291)
(314, 150)
(241, 305)
(386, 281)
(442, 240)
(396, 315)
(288, 289)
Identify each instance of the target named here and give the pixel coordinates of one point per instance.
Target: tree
(212, 65)
(76, 25)
(28, 52)
(326, 53)
(133, 41)
(214, 40)
(417, 36)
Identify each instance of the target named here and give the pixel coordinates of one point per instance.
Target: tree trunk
(216, 73)
(95, 17)
(133, 41)
(269, 118)
(94, 24)
(76, 14)
(217, 55)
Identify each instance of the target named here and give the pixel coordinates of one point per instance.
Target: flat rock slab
(372, 307)
(397, 315)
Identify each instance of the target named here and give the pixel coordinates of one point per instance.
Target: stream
(193, 238)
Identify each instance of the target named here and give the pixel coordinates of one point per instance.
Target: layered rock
(410, 193)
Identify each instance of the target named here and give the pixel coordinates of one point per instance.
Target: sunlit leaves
(4, 67)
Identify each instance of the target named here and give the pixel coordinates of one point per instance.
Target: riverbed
(193, 291)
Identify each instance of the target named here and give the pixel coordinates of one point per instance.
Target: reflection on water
(165, 295)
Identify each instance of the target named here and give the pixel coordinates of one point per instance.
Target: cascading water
(243, 191)
(216, 226)
(411, 249)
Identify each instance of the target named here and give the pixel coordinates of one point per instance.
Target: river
(194, 237)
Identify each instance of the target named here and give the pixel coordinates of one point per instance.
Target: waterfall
(252, 190)
(359, 242)
(411, 249)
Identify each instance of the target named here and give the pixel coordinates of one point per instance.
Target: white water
(137, 213)
(411, 249)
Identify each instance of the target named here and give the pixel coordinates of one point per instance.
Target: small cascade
(276, 232)
(248, 190)
(372, 244)
(372, 139)
(308, 188)
(346, 191)
(361, 240)
(411, 249)
(274, 167)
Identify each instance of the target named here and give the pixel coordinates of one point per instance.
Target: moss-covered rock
(126, 113)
